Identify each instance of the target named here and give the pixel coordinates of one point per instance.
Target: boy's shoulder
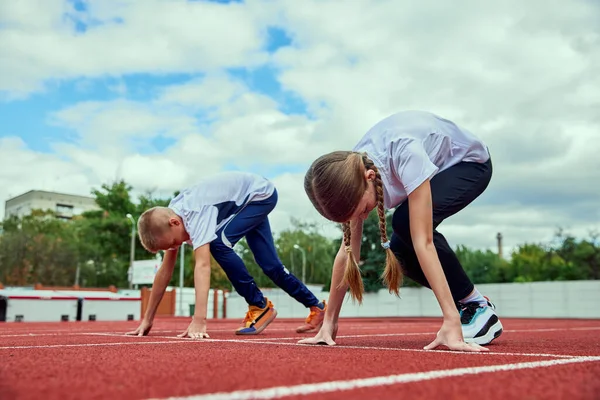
(228, 178)
(220, 187)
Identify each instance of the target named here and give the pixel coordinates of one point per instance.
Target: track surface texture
(375, 358)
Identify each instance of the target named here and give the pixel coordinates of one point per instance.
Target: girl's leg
(451, 191)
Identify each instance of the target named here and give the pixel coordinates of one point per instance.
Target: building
(66, 206)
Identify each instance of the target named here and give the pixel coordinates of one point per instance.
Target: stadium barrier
(545, 299)
(48, 304)
(166, 307)
(558, 299)
(39, 286)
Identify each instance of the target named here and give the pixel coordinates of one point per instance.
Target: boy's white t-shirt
(211, 203)
(412, 146)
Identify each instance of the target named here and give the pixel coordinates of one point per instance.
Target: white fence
(26, 305)
(570, 299)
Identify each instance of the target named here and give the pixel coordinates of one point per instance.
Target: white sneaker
(480, 324)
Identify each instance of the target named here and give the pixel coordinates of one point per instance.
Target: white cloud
(522, 75)
(40, 44)
(119, 125)
(23, 170)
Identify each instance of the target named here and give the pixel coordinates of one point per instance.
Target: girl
(429, 168)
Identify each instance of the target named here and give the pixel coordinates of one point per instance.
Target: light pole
(132, 248)
(303, 262)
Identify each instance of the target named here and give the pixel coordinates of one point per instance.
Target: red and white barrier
(107, 306)
(53, 306)
(37, 306)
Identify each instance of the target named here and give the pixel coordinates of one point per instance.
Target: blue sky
(94, 79)
(28, 118)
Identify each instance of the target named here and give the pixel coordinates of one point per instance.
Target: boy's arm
(161, 281)
(197, 328)
(202, 281)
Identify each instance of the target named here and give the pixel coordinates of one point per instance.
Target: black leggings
(451, 191)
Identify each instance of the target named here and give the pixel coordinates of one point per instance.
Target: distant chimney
(499, 237)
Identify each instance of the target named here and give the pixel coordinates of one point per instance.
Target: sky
(161, 93)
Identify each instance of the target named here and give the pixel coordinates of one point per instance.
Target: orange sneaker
(314, 320)
(257, 319)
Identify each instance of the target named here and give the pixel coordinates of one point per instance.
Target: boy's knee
(275, 272)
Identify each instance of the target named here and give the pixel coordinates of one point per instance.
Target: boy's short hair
(152, 224)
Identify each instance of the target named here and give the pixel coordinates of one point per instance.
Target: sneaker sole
(262, 328)
(492, 333)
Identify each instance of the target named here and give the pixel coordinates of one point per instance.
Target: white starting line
(147, 340)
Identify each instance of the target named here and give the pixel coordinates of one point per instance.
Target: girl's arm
(338, 288)
(421, 230)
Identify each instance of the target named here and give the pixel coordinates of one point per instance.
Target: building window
(64, 210)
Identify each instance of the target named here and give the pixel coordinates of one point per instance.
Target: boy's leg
(260, 241)
(252, 222)
(260, 310)
(451, 191)
(236, 272)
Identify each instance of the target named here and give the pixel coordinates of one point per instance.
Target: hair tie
(348, 249)
(386, 245)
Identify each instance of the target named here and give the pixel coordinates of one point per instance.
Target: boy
(212, 216)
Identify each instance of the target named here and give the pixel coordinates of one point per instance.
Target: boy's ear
(173, 221)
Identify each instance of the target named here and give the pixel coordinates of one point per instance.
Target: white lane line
(376, 335)
(173, 340)
(392, 349)
(77, 332)
(51, 346)
(379, 381)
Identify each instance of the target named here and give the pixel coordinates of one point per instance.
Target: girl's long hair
(335, 184)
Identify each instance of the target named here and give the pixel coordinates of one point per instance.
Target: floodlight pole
(132, 249)
(303, 262)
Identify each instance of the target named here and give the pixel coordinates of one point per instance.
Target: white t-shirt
(208, 205)
(412, 146)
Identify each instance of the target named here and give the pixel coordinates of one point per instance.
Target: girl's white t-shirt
(410, 147)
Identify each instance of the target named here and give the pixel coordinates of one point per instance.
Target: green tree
(582, 257)
(105, 235)
(532, 262)
(303, 243)
(482, 266)
(115, 198)
(38, 248)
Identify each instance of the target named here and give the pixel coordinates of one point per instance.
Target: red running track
(375, 358)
